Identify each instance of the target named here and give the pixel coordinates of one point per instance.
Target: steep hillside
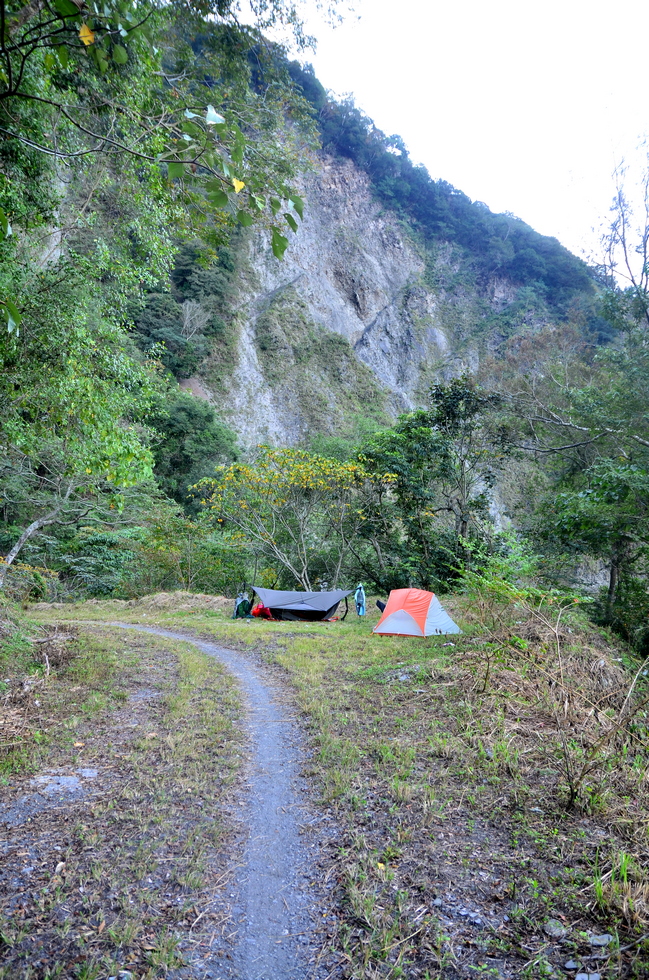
(359, 318)
(341, 327)
(393, 281)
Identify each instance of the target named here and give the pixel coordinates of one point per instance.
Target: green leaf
(66, 8)
(191, 128)
(279, 244)
(275, 204)
(102, 64)
(237, 154)
(3, 76)
(213, 118)
(62, 53)
(5, 227)
(175, 169)
(218, 198)
(13, 316)
(245, 219)
(49, 60)
(290, 220)
(120, 54)
(257, 201)
(298, 204)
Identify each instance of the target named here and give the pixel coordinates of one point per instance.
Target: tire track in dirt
(275, 900)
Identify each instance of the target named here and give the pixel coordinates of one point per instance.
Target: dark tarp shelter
(302, 605)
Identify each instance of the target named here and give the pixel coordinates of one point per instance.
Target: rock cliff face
(344, 327)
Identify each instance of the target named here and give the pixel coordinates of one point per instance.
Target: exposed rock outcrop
(346, 325)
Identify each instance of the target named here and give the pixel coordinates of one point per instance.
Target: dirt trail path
(275, 899)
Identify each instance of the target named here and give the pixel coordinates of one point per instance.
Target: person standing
(359, 599)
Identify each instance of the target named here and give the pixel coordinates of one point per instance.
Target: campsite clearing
(442, 764)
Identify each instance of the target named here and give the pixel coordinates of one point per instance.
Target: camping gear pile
(242, 606)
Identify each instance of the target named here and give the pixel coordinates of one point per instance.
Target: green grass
(441, 761)
(139, 854)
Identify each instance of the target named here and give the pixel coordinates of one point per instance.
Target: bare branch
(195, 318)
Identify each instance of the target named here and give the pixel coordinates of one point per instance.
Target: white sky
(527, 107)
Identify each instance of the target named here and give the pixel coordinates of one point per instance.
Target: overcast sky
(525, 106)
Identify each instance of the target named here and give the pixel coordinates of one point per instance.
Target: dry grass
(171, 601)
(626, 891)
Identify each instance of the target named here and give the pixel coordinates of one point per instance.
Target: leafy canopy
(294, 506)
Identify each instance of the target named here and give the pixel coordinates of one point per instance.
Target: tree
(74, 406)
(44, 44)
(190, 443)
(603, 512)
(42, 506)
(625, 245)
(584, 413)
(300, 510)
(150, 546)
(126, 127)
(444, 459)
(183, 99)
(195, 318)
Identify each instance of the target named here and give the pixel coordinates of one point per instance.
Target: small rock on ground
(555, 929)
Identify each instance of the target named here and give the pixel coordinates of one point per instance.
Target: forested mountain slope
(390, 271)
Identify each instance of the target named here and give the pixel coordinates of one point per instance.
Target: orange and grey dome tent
(413, 612)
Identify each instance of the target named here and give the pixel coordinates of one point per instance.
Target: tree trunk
(620, 556)
(28, 533)
(613, 579)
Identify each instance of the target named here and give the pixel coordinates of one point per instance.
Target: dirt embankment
(170, 601)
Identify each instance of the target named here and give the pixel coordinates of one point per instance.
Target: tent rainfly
(413, 612)
(301, 605)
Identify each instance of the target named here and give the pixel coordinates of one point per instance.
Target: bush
(628, 615)
(192, 442)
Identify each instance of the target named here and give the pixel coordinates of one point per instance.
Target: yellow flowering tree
(299, 509)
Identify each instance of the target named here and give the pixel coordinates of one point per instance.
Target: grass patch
(446, 766)
(113, 876)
